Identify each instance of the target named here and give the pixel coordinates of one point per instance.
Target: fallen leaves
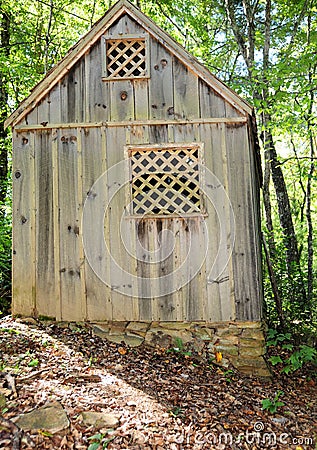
(165, 401)
(122, 350)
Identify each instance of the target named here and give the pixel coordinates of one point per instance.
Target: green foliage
(5, 254)
(100, 441)
(179, 348)
(33, 363)
(272, 405)
(295, 360)
(177, 411)
(274, 338)
(303, 355)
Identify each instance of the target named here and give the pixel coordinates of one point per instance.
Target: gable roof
(87, 41)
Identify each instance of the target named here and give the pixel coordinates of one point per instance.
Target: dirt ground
(163, 399)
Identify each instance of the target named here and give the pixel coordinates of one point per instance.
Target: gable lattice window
(126, 57)
(165, 180)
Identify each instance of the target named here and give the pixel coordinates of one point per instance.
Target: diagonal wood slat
(165, 181)
(126, 58)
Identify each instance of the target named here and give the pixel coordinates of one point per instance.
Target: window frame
(124, 37)
(130, 149)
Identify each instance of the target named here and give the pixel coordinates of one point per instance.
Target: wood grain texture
(45, 238)
(23, 212)
(69, 226)
(78, 127)
(246, 268)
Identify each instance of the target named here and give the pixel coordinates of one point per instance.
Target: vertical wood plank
(23, 211)
(97, 91)
(94, 166)
(211, 104)
(161, 95)
(246, 248)
(166, 305)
(55, 104)
(64, 99)
(87, 85)
(226, 291)
(69, 226)
(144, 270)
(57, 275)
(80, 205)
(186, 96)
(122, 100)
(121, 283)
(31, 117)
(45, 257)
(211, 138)
(43, 116)
(220, 304)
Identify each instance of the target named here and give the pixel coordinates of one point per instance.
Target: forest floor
(162, 399)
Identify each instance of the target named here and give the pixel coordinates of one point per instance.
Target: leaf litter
(164, 400)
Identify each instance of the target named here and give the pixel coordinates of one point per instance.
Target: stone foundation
(241, 344)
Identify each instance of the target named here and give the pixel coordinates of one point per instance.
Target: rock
(203, 333)
(255, 366)
(249, 352)
(184, 335)
(99, 419)
(115, 338)
(196, 346)
(139, 328)
(118, 327)
(52, 418)
(229, 341)
(253, 334)
(175, 325)
(132, 340)
(279, 420)
(251, 343)
(228, 332)
(27, 320)
(62, 324)
(225, 349)
(156, 337)
(247, 325)
(100, 330)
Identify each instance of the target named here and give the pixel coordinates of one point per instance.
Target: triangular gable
(83, 45)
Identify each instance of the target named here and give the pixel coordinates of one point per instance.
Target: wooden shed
(136, 188)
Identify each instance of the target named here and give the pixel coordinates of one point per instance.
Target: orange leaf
(122, 350)
(218, 356)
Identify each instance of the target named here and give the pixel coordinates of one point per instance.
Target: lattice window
(165, 180)
(126, 57)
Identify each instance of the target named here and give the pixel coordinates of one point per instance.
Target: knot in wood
(123, 95)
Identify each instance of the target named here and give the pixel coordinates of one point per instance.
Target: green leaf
(94, 446)
(279, 404)
(287, 347)
(34, 363)
(266, 403)
(96, 437)
(275, 360)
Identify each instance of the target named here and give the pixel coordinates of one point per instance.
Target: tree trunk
(276, 295)
(310, 125)
(4, 41)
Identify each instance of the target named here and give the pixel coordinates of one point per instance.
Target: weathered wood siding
(56, 167)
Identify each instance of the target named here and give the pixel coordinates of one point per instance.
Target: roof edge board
(170, 43)
(65, 64)
(81, 47)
